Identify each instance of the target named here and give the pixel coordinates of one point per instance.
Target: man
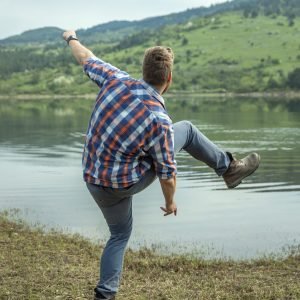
(131, 140)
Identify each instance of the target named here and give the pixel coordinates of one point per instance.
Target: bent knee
(122, 236)
(121, 232)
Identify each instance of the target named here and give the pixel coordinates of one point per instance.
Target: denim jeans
(116, 204)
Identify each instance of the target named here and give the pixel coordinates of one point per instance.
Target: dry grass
(35, 264)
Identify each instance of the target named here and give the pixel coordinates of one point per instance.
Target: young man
(131, 140)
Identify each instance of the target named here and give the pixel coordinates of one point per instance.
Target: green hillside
(227, 52)
(231, 51)
(116, 30)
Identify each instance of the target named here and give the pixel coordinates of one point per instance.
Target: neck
(161, 88)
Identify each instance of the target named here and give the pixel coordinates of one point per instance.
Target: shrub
(293, 80)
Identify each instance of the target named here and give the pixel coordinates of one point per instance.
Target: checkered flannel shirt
(129, 130)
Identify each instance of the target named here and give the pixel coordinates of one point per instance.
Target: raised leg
(187, 137)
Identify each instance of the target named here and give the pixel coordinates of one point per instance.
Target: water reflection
(55, 129)
(40, 161)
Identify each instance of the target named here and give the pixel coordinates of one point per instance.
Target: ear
(170, 76)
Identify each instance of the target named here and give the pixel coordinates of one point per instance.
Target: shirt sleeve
(162, 153)
(99, 71)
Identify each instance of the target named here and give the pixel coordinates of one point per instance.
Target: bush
(273, 84)
(293, 80)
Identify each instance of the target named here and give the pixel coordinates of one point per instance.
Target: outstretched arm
(80, 52)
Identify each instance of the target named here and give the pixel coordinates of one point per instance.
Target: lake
(40, 161)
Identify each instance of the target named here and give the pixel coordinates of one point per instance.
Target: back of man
(129, 130)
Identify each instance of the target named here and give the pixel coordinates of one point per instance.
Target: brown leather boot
(240, 169)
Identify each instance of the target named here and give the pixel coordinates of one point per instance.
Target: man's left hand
(170, 209)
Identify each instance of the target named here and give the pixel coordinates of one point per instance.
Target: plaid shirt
(129, 130)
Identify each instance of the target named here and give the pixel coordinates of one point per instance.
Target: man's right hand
(80, 52)
(68, 33)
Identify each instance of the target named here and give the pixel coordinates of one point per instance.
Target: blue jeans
(116, 204)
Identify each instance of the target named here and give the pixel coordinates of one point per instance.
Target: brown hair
(157, 65)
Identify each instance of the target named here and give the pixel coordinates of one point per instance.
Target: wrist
(71, 37)
(169, 201)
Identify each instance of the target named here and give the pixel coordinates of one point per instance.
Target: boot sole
(235, 184)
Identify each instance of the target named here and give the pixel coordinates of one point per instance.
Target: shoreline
(39, 264)
(254, 95)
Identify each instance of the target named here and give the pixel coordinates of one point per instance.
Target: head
(157, 67)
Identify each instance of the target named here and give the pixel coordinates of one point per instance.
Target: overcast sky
(17, 16)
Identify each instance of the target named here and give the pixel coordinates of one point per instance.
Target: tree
(293, 80)
(254, 14)
(184, 41)
(35, 78)
(188, 55)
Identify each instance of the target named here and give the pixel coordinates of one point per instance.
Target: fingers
(168, 212)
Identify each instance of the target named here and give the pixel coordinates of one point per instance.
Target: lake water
(40, 162)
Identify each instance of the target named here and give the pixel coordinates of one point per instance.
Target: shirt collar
(153, 91)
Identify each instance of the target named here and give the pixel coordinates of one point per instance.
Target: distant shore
(254, 95)
(39, 264)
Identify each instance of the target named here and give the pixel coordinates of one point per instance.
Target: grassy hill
(230, 51)
(116, 30)
(227, 52)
